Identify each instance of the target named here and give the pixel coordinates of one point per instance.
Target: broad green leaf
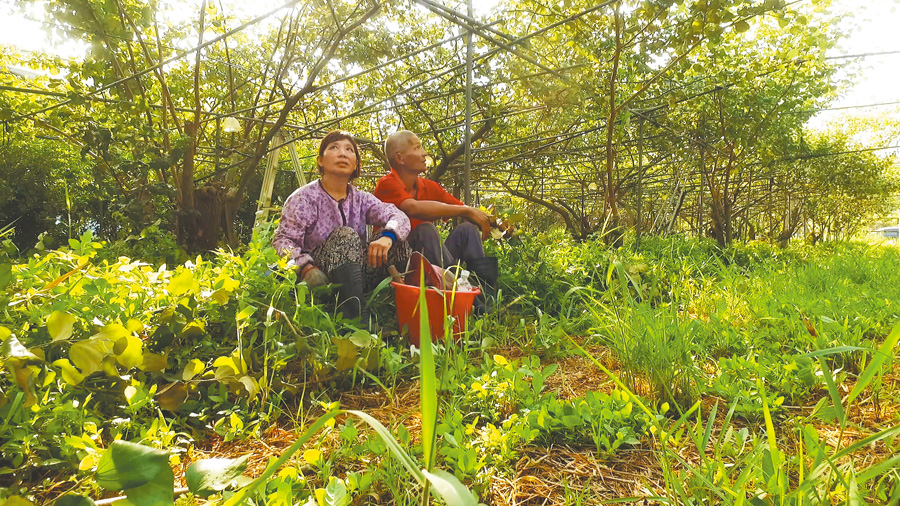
(70, 374)
(220, 296)
(209, 476)
(195, 328)
(6, 275)
(450, 489)
(59, 325)
(4, 333)
(160, 491)
(126, 465)
(741, 26)
(17, 501)
(192, 368)
(74, 500)
(361, 338)
(12, 350)
(181, 283)
(172, 396)
(335, 494)
(25, 379)
(129, 351)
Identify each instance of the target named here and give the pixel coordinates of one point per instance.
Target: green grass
(739, 357)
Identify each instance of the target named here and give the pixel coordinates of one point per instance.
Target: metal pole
(467, 182)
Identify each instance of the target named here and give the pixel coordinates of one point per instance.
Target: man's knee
(425, 231)
(469, 229)
(425, 235)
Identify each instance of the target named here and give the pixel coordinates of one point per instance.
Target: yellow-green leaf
(192, 368)
(59, 325)
(89, 461)
(347, 353)
(154, 362)
(17, 501)
(172, 396)
(134, 325)
(220, 296)
(70, 374)
(245, 313)
(181, 283)
(741, 26)
(250, 385)
(312, 457)
(113, 332)
(129, 351)
(227, 367)
(88, 355)
(110, 367)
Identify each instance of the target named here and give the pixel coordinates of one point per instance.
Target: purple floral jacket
(310, 214)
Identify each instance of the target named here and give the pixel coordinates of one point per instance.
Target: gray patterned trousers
(344, 245)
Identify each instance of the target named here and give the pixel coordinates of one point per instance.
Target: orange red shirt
(390, 189)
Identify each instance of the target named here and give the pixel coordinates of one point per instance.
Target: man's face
(413, 156)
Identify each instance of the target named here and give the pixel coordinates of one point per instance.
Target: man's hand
(378, 251)
(482, 219)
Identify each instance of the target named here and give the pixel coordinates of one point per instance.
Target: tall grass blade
(832, 390)
(877, 470)
(617, 381)
(273, 466)
(774, 453)
(392, 445)
(449, 488)
(885, 352)
(427, 381)
(708, 433)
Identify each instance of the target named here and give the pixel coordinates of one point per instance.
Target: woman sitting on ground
(323, 228)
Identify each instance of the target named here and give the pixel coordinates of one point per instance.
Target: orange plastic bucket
(457, 304)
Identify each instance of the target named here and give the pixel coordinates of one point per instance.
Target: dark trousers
(463, 244)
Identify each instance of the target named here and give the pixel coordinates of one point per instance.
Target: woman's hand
(378, 251)
(313, 276)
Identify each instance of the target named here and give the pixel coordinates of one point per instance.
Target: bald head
(397, 143)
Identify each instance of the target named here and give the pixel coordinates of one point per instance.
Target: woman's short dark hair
(340, 135)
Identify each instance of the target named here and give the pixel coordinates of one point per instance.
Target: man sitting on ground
(425, 201)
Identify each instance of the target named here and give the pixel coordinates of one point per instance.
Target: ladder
(264, 204)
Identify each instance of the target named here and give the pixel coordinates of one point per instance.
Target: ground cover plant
(680, 372)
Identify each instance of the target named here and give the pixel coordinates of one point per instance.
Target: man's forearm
(430, 210)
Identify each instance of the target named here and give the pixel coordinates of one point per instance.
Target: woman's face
(339, 159)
